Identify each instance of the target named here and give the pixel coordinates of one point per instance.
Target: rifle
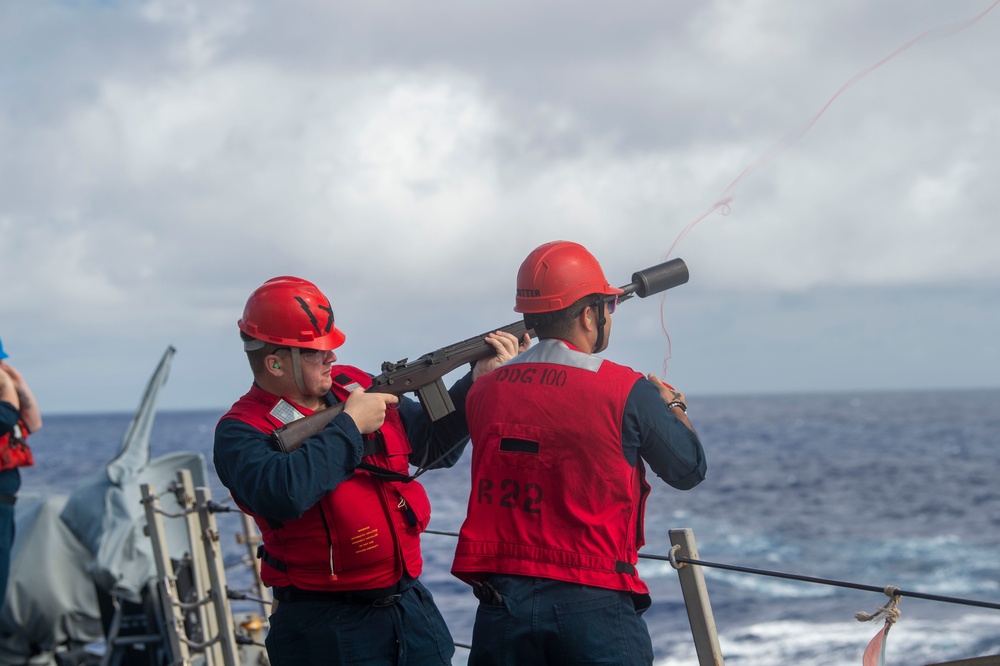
(425, 375)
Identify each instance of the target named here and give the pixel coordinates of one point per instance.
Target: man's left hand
(507, 347)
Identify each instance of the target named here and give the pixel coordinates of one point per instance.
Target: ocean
(893, 488)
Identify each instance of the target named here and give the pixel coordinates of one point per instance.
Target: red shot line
(726, 198)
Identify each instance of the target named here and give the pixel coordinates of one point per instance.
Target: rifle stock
(290, 436)
(425, 375)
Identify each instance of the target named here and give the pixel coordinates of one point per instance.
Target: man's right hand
(12, 373)
(672, 396)
(368, 409)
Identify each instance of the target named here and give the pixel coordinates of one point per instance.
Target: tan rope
(890, 611)
(672, 556)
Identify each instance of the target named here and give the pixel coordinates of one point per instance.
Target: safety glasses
(610, 301)
(312, 356)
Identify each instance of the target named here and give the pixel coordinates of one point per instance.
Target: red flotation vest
(552, 493)
(361, 536)
(14, 449)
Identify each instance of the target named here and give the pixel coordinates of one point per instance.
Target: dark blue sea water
(878, 489)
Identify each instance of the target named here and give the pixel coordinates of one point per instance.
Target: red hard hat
(556, 275)
(291, 311)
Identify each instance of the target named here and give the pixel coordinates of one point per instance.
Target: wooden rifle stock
(290, 436)
(424, 375)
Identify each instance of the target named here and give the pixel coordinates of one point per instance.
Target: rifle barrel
(406, 376)
(658, 278)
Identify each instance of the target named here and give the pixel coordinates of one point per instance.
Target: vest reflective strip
(285, 412)
(556, 351)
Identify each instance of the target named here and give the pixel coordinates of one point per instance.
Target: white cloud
(175, 155)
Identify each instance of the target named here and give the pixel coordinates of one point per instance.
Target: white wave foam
(843, 643)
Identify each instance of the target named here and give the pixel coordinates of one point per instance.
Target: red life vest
(14, 449)
(552, 493)
(366, 532)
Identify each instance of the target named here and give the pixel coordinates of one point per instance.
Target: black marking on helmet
(305, 308)
(329, 320)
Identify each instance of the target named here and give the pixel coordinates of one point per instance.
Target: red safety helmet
(291, 311)
(556, 275)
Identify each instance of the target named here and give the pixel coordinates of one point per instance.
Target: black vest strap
(383, 473)
(271, 561)
(378, 598)
(374, 445)
(626, 568)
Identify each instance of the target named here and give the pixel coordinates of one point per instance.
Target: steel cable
(806, 579)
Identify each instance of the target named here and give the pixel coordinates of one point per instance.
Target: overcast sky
(160, 160)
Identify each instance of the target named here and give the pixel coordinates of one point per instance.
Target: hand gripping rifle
(425, 375)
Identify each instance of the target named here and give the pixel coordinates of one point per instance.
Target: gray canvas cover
(66, 547)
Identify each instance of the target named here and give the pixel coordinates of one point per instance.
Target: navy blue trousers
(543, 621)
(410, 632)
(10, 482)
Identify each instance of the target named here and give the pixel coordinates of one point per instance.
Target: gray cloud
(162, 159)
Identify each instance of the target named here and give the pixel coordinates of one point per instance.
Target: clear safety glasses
(311, 356)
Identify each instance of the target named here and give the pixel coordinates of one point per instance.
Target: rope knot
(672, 556)
(890, 611)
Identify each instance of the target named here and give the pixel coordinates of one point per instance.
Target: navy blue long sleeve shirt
(282, 486)
(672, 450)
(8, 417)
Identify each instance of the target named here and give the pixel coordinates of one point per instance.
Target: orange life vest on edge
(362, 535)
(14, 449)
(552, 493)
